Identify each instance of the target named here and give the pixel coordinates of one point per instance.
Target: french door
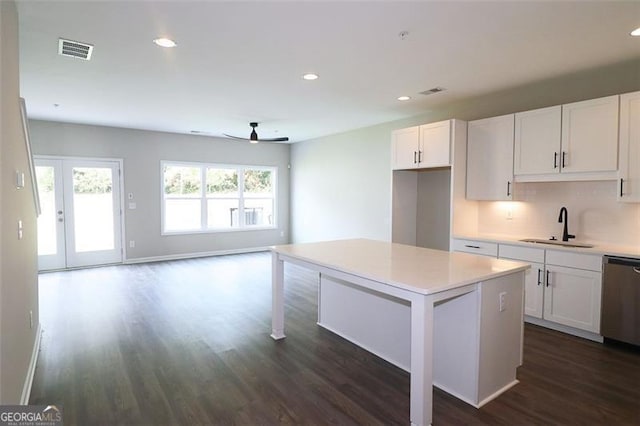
(81, 223)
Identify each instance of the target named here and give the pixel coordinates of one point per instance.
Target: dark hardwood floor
(187, 342)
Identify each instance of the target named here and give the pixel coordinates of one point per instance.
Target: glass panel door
(92, 205)
(51, 241)
(80, 224)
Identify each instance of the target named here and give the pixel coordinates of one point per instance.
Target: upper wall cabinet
(575, 141)
(490, 158)
(590, 136)
(537, 141)
(423, 146)
(629, 159)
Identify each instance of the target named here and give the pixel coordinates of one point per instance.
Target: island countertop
(416, 269)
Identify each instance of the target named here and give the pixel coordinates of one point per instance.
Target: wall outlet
(31, 320)
(509, 214)
(502, 301)
(132, 244)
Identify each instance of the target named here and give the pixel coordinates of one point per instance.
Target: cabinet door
(590, 136)
(534, 290)
(537, 141)
(572, 297)
(629, 174)
(490, 158)
(404, 146)
(435, 144)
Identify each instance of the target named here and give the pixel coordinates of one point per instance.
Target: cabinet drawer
(590, 262)
(476, 247)
(527, 254)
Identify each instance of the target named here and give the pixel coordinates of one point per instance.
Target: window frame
(203, 197)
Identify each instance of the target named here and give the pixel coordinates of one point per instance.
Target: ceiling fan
(253, 137)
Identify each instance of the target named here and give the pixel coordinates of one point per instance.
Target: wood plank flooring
(187, 343)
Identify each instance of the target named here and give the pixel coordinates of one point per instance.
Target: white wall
(594, 214)
(142, 152)
(18, 265)
(341, 184)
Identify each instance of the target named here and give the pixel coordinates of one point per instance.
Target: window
(213, 197)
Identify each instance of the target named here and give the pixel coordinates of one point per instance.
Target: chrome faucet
(565, 231)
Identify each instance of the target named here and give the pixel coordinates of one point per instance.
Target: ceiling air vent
(432, 91)
(75, 49)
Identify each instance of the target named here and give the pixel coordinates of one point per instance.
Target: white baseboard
(193, 255)
(564, 329)
(28, 382)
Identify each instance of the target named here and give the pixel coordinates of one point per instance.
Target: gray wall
(341, 184)
(142, 152)
(18, 267)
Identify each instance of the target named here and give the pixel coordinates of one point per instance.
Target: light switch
(132, 206)
(19, 179)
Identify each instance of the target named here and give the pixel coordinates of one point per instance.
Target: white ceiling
(242, 61)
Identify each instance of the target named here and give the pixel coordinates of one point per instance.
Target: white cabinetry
(590, 136)
(533, 278)
(482, 248)
(405, 144)
(424, 146)
(573, 290)
(490, 158)
(537, 141)
(629, 158)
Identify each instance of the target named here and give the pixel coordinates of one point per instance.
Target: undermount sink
(556, 243)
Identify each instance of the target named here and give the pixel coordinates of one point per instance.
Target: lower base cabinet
(562, 286)
(573, 297)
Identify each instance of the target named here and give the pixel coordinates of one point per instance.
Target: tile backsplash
(594, 213)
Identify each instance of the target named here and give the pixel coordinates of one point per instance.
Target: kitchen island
(462, 313)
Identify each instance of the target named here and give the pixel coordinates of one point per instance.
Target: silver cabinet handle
(473, 247)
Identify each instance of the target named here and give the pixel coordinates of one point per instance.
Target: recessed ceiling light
(404, 98)
(310, 76)
(165, 42)
(636, 32)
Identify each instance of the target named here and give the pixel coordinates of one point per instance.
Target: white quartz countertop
(416, 269)
(599, 248)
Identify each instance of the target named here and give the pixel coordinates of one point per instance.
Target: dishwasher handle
(625, 261)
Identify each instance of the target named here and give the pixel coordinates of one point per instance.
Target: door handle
(59, 212)
(621, 183)
(419, 156)
(508, 189)
(415, 153)
(539, 272)
(564, 154)
(555, 160)
(548, 278)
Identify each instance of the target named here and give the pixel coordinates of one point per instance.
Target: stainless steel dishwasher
(620, 317)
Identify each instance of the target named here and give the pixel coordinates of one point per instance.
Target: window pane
(180, 180)
(222, 213)
(47, 221)
(258, 212)
(257, 182)
(222, 182)
(93, 209)
(181, 215)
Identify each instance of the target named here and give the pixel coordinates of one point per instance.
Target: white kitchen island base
(458, 337)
